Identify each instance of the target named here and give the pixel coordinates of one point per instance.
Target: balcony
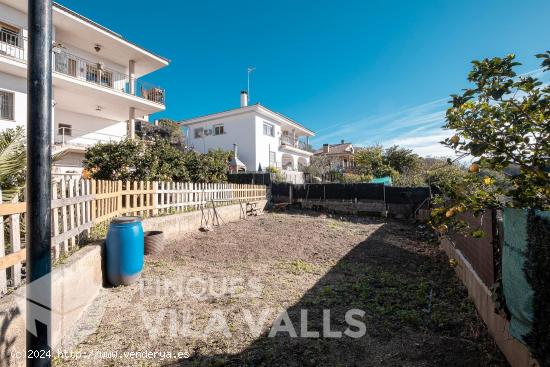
(289, 141)
(14, 46)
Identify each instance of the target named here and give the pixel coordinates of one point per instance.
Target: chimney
(244, 98)
(326, 148)
(236, 165)
(342, 141)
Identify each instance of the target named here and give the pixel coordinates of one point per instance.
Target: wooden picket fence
(78, 205)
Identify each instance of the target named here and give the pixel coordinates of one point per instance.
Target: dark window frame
(65, 129)
(7, 105)
(217, 131)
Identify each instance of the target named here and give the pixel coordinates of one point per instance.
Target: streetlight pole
(39, 128)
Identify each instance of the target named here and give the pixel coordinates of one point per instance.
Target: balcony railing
(15, 46)
(295, 143)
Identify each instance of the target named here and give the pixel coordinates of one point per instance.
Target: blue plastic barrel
(124, 250)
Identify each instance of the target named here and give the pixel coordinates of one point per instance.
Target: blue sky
(363, 71)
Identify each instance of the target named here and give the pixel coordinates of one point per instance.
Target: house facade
(340, 156)
(264, 138)
(97, 91)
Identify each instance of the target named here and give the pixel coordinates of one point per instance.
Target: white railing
(294, 142)
(14, 46)
(66, 136)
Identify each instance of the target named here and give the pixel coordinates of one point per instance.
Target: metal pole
(39, 122)
(249, 70)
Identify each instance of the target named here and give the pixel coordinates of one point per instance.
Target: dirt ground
(211, 299)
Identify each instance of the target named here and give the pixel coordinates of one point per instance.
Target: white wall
(14, 17)
(246, 130)
(18, 86)
(88, 130)
(266, 143)
(239, 130)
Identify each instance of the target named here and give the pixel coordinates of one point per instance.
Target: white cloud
(418, 128)
(424, 121)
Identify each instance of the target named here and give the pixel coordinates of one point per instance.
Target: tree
(401, 159)
(162, 162)
(504, 121)
(13, 162)
(370, 163)
(215, 164)
(318, 166)
(115, 160)
(167, 129)
(158, 160)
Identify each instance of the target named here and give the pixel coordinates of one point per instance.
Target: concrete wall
(516, 353)
(75, 285)
(175, 225)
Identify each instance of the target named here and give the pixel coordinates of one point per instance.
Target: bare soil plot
(206, 294)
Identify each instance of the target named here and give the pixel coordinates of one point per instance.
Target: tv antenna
(249, 71)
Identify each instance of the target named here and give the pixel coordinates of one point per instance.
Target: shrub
(157, 161)
(276, 174)
(114, 160)
(354, 178)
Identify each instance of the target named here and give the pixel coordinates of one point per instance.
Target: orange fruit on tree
(450, 213)
(474, 168)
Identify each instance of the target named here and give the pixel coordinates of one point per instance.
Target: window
(92, 73)
(63, 63)
(269, 129)
(106, 78)
(219, 130)
(199, 132)
(72, 67)
(6, 105)
(272, 158)
(64, 130)
(10, 35)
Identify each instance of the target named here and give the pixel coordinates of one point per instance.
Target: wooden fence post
(155, 198)
(78, 210)
(94, 204)
(119, 197)
(71, 214)
(55, 221)
(64, 215)
(3, 273)
(15, 239)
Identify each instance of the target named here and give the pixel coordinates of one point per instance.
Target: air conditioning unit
(208, 132)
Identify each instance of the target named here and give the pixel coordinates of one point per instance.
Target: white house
(97, 93)
(264, 138)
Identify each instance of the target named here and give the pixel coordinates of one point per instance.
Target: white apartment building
(97, 90)
(264, 138)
